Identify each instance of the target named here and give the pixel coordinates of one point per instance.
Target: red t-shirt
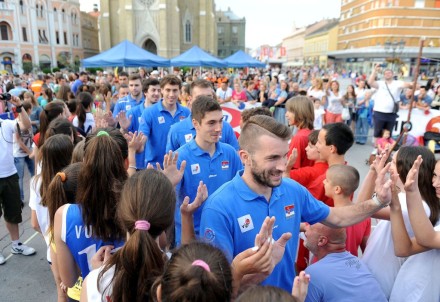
(316, 188)
(306, 175)
(239, 95)
(300, 142)
(355, 234)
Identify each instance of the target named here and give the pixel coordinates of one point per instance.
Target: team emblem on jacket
(225, 165)
(288, 210)
(245, 223)
(195, 169)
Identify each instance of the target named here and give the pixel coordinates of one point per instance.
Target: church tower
(163, 27)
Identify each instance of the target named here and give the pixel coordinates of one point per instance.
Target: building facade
(388, 31)
(231, 31)
(163, 27)
(90, 34)
(319, 42)
(37, 34)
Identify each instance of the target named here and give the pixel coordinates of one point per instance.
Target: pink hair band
(142, 225)
(202, 264)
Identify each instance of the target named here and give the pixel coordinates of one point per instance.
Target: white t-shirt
(379, 254)
(317, 94)
(224, 94)
(105, 285)
(7, 130)
(317, 123)
(383, 102)
(89, 122)
(42, 212)
(360, 94)
(418, 278)
(334, 103)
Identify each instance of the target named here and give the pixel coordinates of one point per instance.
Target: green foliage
(27, 67)
(93, 70)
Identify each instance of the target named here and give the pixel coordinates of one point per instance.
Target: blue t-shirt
(80, 240)
(182, 133)
(200, 166)
(136, 113)
(234, 214)
(126, 103)
(342, 277)
(155, 123)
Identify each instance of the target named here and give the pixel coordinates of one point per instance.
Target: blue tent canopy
(195, 57)
(240, 59)
(126, 54)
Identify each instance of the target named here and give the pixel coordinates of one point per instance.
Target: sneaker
(22, 249)
(2, 259)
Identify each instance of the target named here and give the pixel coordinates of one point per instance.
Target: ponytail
(48, 114)
(85, 99)
(145, 211)
(61, 190)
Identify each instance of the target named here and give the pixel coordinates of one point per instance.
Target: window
(65, 38)
(21, 7)
(234, 29)
(4, 31)
(57, 37)
(41, 11)
(419, 3)
(37, 10)
(220, 29)
(63, 13)
(24, 32)
(188, 32)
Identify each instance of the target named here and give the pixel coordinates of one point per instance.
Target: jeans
(19, 164)
(362, 128)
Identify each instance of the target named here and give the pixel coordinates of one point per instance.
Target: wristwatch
(378, 202)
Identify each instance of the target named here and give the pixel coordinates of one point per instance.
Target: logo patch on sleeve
(245, 222)
(209, 235)
(289, 211)
(195, 169)
(188, 137)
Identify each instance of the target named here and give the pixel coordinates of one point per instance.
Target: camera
(5, 96)
(325, 80)
(383, 65)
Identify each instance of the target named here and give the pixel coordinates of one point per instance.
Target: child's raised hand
(411, 183)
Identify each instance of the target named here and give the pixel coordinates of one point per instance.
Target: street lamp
(395, 48)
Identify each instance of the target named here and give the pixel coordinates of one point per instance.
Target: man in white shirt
(386, 100)
(224, 93)
(10, 201)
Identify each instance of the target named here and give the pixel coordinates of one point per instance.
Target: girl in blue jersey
(81, 229)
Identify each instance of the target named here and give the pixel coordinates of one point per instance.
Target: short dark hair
(202, 105)
(83, 73)
(149, 82)
(346, 177)
(259, 125)
(171, 80)
(340, 136)
(123, 74)
(201, 83)
(134, 77)
(248, 113)
(313, 137)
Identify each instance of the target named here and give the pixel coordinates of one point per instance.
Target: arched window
(37, 10)
(188, 32)
(5, 31)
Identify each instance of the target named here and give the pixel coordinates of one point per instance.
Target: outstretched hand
(383, 185)
(170, 167)
(412, 179)
(380, 160)
(189, 208)
(123, 120)
(136, 141)
(301, 286)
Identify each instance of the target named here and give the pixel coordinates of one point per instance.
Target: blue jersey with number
(79, 239)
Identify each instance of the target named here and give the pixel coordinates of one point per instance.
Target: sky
(268, 22)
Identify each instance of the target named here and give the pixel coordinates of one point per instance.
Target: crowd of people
(143, 192)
